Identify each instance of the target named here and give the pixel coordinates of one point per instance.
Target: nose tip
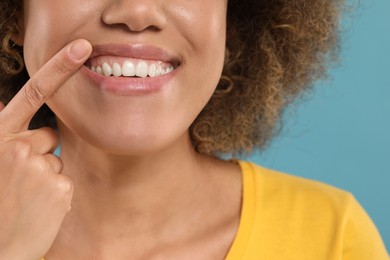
(136, 15)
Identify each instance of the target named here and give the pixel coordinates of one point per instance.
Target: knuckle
(33, 92)
(60, 166)
(21, 149)
(64, 184)
(48, 130)
(62, 66)
(49, 134)
(41, 165)
(56, 163)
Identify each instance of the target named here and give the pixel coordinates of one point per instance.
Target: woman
(143, 115)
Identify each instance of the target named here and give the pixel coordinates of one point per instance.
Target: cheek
(202, 26)
(40, 23)
(49, 26)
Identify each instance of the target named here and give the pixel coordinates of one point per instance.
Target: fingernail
(80, 49)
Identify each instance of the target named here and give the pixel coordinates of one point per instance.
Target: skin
(35, 198)
(139, 181)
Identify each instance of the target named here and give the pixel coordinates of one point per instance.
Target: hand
(34, 197)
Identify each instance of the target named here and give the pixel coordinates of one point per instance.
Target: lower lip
(128, 86)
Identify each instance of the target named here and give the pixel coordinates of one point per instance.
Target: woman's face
(130, 115)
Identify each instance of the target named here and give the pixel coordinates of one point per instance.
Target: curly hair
(275, 50)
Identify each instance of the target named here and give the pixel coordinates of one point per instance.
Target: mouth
(115, 66)
(132, 60)
(131, 69)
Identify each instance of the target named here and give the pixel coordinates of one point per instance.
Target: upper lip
(136, 51)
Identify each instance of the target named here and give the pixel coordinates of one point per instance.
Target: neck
(143, 200)
(148, 193)
(148, 183)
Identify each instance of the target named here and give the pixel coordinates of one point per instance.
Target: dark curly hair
(275, 50)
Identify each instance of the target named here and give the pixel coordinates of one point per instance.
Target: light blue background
(340, 133)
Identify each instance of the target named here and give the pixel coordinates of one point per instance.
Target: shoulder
(307, 217)
(274, 185)
(293, 203)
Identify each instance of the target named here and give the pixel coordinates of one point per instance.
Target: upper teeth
(129, 69)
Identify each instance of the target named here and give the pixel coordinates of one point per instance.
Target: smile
(128, 67)
(131, 69)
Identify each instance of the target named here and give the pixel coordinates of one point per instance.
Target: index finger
(18, 113)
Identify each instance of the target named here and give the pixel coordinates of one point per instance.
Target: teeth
(142, 70)
(107, 70)
(129, 69)
(170, 69)
(152, 70)
(158, 71)
(116, 70)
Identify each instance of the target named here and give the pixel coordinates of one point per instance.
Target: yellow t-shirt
(289, 218)
(284, 217)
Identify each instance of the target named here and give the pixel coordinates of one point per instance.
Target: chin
(123, 141)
